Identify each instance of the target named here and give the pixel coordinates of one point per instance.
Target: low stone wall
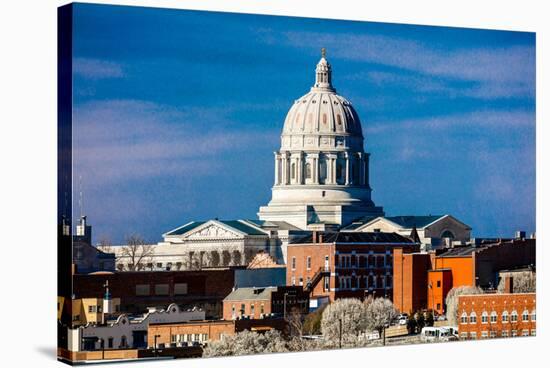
(75, 356)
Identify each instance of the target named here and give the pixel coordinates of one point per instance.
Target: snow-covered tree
(452, 301)
(379, 312)
(341, 318)
(247, 342)
(524, 282)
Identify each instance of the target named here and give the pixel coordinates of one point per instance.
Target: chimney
(520, 235)
(508, 285)
(314, 237)
(320, 238)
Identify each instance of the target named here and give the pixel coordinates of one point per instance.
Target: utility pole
(340, 331)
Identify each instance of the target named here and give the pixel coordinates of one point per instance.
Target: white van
(433, 334)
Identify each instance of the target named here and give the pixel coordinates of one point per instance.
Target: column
(348, 177)
(315, 168)
(300, 168)
(277, 163)
(361, 163)
(284, 164)
(366, 162)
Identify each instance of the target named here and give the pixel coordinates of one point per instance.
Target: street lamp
(102, 345)
(284, 305)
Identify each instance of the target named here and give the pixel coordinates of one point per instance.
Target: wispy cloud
(496, 72)
(97, 69)
(128, 140)
(498, 119)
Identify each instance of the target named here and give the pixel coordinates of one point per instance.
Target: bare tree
(247, 342)
(137, 252)
(295, 322)
(105, 245)
(452, 301)
(524, 282)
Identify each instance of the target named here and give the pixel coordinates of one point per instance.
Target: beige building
(432, 231)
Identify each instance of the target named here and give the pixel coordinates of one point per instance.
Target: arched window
(308, 171)
(447, 234)
(484, 317)
(340, 172)
(473, 317)
(494, 317)
(322, 171)
(525, 316)
(505, 316)
(514, 316)
(464, 317)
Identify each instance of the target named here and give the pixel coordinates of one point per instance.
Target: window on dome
(324, 119)
(339, 172)
(322, 171)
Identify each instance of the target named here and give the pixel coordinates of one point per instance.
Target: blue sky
(177, 114)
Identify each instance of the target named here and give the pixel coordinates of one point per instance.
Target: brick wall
(497, 304)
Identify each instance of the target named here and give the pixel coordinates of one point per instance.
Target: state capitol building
(321, 185)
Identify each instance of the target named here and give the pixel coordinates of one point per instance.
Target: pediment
(212, 230)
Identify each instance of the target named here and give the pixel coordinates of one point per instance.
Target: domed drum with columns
(321, 170)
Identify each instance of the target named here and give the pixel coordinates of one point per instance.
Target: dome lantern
(323, 74)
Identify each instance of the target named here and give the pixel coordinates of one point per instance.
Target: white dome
(321, 170)
(322, 119)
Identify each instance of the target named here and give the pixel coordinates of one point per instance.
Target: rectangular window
(252, 309)
(308, 263)
(493, 334)
(438, 283)
(243, 310)
(484, 334)
(161, 289)
(473, 335)
(438, 306)
(143, 289)
(504, 333)
(464, 335)
(233, 314)
(327, 284)
(525, 333)
(514, 333)
(180, 288)
(293, 281)
(262, 310)
(293, 263)
(533, 332)
(159, 265)
(204, 337)
(92, 308)
(110, 343)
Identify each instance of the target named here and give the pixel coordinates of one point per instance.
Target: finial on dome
(323, 73)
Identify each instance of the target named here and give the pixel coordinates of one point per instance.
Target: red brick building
(423, 280)
(139, 290)
(497, 315)
(332, 265)
(258, 303)
(203, 332)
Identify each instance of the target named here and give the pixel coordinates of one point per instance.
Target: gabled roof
(408, 222)
(185, 228)
(251, 293)
(353, 237)
(238, 225)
